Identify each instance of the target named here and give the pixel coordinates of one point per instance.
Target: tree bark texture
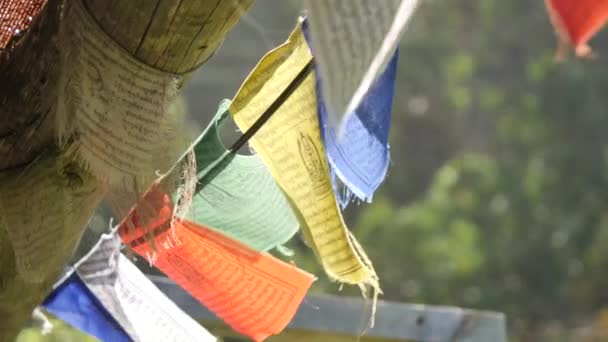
(171, 35)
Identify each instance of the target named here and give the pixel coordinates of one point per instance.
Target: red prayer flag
(253, 292)
(576, 22)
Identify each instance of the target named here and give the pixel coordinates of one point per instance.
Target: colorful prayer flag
(237, 195)
(142, 310)
(576, 22)
(290, 145)
(74, 303)
(254, 293)
(359, 159)
(353, 41)
(124, 301)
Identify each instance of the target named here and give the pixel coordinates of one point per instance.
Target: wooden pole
(171, 35)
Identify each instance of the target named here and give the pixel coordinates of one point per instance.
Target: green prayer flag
(237, 194)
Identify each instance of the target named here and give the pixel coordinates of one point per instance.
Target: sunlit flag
(576, 22)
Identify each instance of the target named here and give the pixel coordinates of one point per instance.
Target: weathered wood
(172, 35)
(175, 36)
(26, 96)
(27, 91)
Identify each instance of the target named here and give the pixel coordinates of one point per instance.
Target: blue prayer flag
(359, 158)
(76, 305)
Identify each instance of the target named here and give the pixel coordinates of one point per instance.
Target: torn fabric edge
(366, 137)
(165, 308)
(360, 272)
(115, 116)
(46, 327)
(72, 269)
(71, 284)
(205, 266)
(113, 112)
(268, 221)
(180, 181)
(134, 301)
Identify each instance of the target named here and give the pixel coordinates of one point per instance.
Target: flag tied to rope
(74, 303)
(105, 295)
(254, 293)
(236, 194)
(576, 22)
(359, 159)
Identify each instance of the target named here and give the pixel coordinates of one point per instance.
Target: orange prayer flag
(255, 293)
(153, 213)
(576, 22)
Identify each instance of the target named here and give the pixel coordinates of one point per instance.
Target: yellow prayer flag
(290, 145)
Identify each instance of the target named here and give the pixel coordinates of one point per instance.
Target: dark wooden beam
(337, 319)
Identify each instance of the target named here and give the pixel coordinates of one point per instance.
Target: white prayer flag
(141, 309)
(352, 42)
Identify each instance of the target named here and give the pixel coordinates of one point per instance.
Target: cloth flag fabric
(133, 300)
(124, 300)
(290, 145)
(576, 22)
(360, 158)
(76, 305)
(353, 41)
(254, 293)
(237, 194)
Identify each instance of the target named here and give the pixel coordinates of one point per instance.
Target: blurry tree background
(498, 191)
(497, 194)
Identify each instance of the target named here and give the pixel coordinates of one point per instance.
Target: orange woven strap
(16, 16)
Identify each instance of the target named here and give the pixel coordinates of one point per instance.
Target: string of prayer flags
(254, 293)
(353, 41)
(237, 195)
(576, 22)
(44, 209)
(122, 296)
(133, 300)
(359, 159)
(290, 146)
(72, 302)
